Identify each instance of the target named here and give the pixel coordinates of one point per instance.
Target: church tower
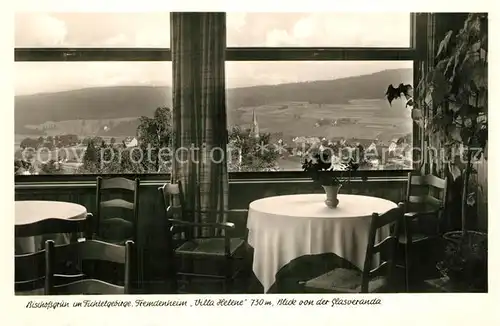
(255, 126)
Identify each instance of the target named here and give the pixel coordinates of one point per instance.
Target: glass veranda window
(279, 51)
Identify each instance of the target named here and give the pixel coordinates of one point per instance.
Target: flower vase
(331, 195)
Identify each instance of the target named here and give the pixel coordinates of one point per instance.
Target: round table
(32, 211)
(283, 228)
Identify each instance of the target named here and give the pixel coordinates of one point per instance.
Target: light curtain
(199, 112)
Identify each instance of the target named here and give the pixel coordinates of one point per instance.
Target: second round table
(282, 228)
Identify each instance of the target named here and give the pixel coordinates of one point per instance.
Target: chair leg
(228, 278)
(408, 268)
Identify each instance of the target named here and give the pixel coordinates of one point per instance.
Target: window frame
(416, 52)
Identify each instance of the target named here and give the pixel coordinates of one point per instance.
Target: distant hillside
(337, 91)
(78, 109)
(90, 104)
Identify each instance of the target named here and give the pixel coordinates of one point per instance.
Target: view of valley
(291, 118)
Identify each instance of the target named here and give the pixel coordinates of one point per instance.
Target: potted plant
(453, 105)
(321, 168)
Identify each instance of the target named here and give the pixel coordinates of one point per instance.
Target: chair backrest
(427, 193)
(89, 250)
(172, 198)
(29, 272)
(433, 184)
(172, 195)
(386, 249)
(117, 186)
(55, 226)
(30, 268)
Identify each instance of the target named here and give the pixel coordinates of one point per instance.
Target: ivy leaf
(466, 109)
(479, 75)
(484, 42)
(428, 97)
(440, 87)
(475, 27)
(454, 107)
(441, 65)
(416, 114)
(455, 171)
(443, 46)
(483, 54)
(471, 199)
(393, 93)
(451, 62)
(454, 133)
(482, 136)
(468, 123)
(475, 47)
(465, 133)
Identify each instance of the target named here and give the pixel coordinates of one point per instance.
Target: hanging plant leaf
(465, 133)
(393, 93)
(456, 62)
(442, 64)
(482, 136)
(471, 199)
(484, 42)
(428, 97)
(466, 109)
(454, 107)
(451, 62)
(447, 120)
(479, 75)
(416, 114)
(440, 87)
(475, 47)
(443, 46)
(475, 26)
(454, 133)
(468, 123)
(455, 171)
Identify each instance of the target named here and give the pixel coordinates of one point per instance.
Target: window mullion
(232, 54)
(319, 54)
(92, 54)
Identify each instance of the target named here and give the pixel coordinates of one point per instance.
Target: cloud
(236, 20)
(81, 29)
(244, 29)
(278, 37)
(40, 77)
(150, 37)
(39, 29)
(344, 29)
(305, 28)
(235, 23)
(116, 40)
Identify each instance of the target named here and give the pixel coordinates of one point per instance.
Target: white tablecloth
(31, 211)
(283, 228)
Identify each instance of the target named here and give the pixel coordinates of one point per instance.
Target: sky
(78, 29)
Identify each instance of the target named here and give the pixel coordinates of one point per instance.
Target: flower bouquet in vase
(323, 170)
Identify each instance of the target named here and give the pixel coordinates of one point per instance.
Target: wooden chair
(117, 219)
(425, 218)
(30, 268)
(379, 279)
(30, 273)
(116, 229)
(88, 250)
(219, 257)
